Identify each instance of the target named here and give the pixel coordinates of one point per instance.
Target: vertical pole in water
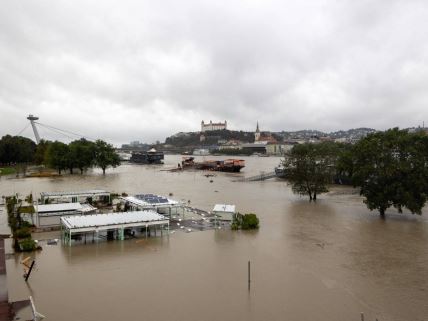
(29, 271)
(249, 275)
(362, 316)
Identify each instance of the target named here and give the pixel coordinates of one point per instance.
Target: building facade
(205, 127)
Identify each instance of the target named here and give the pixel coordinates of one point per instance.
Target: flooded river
(325, 261)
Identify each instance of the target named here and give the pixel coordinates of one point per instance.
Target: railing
(260, 177)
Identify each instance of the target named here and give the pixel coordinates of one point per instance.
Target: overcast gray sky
(143, 70)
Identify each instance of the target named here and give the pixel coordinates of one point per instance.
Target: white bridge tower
(32, 118)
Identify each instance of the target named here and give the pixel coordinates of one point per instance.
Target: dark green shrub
(22, 233)
(250, 222)
(27, 245)
(245, 222)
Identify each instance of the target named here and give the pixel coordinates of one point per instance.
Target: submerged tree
(57, 156)
(391, 169)
(310, 168)
(82, 153)
(105, 155)
(41, 150)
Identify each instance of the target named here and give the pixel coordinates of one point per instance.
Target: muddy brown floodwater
(325, 261)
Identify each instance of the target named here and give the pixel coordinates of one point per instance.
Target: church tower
(257, 133)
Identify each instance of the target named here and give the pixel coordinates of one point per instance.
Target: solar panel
(152, 198)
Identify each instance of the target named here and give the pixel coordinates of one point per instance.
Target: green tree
(82, 154)
(105, 155)
(391, 169)
(245, 222)
(311, 167)
(344, 164)
(40, 154)
(16, 149)
(57, 156)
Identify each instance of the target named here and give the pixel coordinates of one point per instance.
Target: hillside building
(263, 137)
(206, 127)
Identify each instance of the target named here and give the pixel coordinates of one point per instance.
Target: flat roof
(58, 207)
(254, 145)
(224, 208)
(102, 221)
(52, 209)
(155, 200)
(75, 193)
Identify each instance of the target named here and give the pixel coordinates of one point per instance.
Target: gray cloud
(145, 70)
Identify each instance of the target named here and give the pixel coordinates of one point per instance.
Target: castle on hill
(212, 126)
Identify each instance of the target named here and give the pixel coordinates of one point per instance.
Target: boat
(201, 152)
(280, 171)
(227, 165)
(124, 156)
(151, 156)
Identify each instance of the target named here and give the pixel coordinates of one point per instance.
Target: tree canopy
(391, 169)
(82, 154)
(311, 167)
(105, 156)
(57, 156)
(16, 149)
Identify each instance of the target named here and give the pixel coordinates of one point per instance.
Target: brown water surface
(325, 261)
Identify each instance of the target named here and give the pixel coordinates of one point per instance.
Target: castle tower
(257, 133)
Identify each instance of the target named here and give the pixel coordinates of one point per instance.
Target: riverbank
(7, 171)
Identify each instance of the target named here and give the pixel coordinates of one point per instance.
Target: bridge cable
(23, 129)
(65, 131)
(57, 131)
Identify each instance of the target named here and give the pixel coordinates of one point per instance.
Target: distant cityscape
(215, 137)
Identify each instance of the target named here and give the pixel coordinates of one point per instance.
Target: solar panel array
(152, 198)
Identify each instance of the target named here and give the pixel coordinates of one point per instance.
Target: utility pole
(32, 118)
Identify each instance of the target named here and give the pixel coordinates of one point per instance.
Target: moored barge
(227, 165)
(149, 157)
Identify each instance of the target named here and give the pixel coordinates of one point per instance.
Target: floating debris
(52, 242)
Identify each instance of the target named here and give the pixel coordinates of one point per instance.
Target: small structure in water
(111, 225)
(224, 212)
(151, 156)
(227, 165)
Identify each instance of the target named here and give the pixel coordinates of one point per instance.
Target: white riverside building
(224, 212)
(74, 196)
(115, 223)
(48, 215)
